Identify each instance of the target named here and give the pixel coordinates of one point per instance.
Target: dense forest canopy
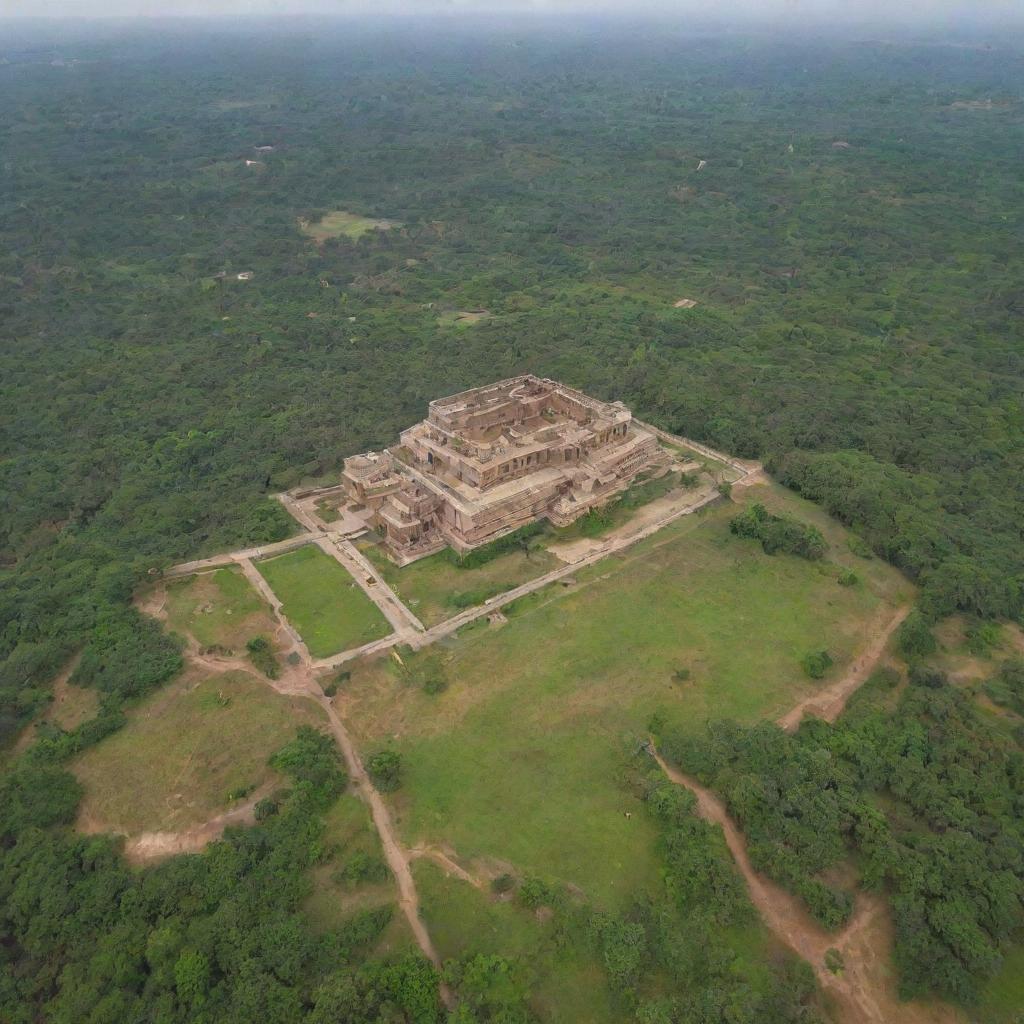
(846, 214)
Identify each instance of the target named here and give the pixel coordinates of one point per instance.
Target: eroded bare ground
(152, 846)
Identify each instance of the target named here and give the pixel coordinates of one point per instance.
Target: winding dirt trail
(865, 991)
(298, 680)
(828, 703)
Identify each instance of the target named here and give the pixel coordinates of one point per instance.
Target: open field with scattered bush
(187, 753)
(691, 623)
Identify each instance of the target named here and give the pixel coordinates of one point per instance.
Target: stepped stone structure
(488, 461)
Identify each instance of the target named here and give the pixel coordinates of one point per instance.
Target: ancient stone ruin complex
(487, 461)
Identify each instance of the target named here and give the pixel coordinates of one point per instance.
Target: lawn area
(520, 758)
(220, 609)
(183, 752)
(322, 601)
(338, 223)
(435, 589)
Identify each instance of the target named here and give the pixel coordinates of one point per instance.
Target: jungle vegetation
(846, 216)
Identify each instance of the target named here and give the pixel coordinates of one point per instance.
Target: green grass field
(220, 609)
(322, 601)
(338, 223)
(184, 750)
(520, 758)
(435, 589)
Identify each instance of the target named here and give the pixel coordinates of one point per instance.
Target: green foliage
(948, 843)
(311, 759)
(859, 329)
(834, 961)
(261, 654)
(363, 867)
(491, 987)
(219, 936)
(127, 656)
(265, 808)
(385, 769)
(1006, 687)
(847, 578)
(914, 638)
(534, 892)
(816, 663)
(982, 638)
(779, 533)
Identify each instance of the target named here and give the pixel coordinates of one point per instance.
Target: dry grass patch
(187, 753)
(220, 609)
(342, 224)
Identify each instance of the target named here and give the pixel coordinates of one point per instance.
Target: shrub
(385, 769)
(364, 867)
(914, 639)
(983, 638)
(312, 759)
(535, 892)
(261, 654)
(816, 663)
(265, 808)
(435, 684)
(847, 578)
(779, 533)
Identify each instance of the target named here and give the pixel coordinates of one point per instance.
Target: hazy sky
(935, 13)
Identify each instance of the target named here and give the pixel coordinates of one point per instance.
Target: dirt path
(394, 853)
(450, 866)
(829, 702)
(295, 680)
(865, 991)
(151, 846)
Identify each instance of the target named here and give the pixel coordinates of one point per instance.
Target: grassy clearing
(340, 223)
(520, 758)
(184, 751)
(70, 707)
(436, 589)
(327, 510)
(220, 609)
(322, 601)
(463, 317)
(619, 511)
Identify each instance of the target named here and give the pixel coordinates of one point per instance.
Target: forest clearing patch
(341, 223)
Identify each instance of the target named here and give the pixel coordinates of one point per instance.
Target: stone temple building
(488, 461)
